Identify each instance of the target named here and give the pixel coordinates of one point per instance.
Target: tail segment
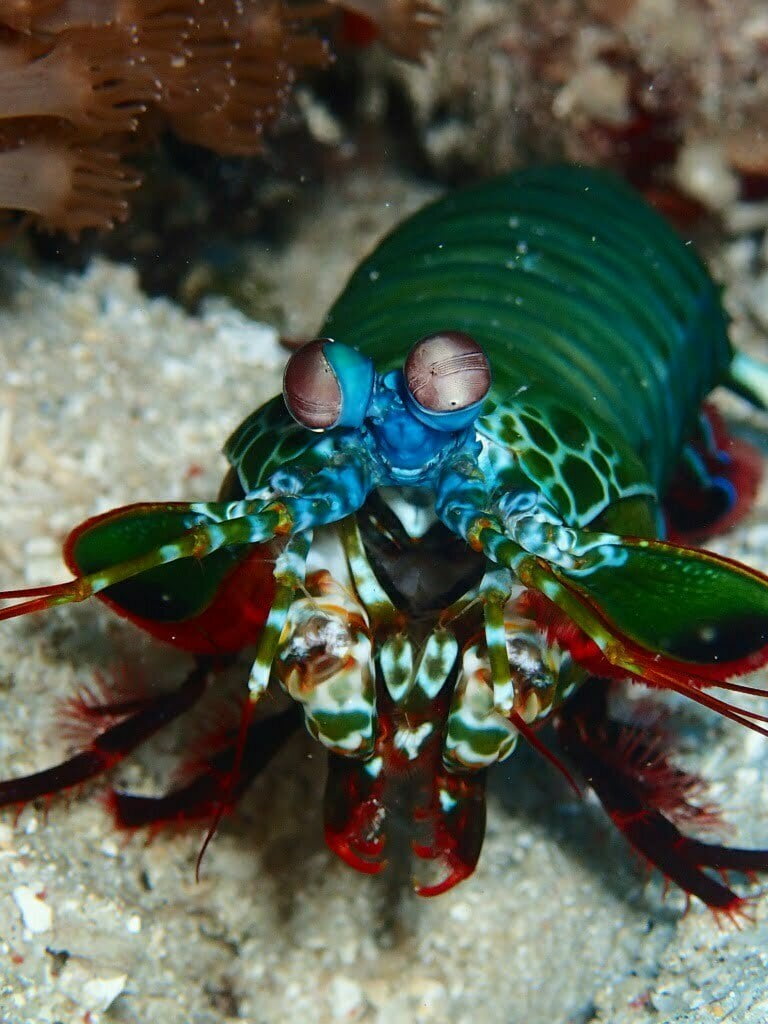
(715, 484)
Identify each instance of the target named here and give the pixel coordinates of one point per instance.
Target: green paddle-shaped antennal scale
(212, 605)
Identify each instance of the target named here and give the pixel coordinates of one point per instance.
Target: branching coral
(79, 78)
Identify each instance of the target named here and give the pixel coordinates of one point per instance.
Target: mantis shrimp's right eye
(311, 389)
(328, 384)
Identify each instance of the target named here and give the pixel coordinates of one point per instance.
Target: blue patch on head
(449, 422)
(404, 442)
(355, 375)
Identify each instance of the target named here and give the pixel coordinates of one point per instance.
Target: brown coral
(78, 76)
(64, 184)
(88, 77)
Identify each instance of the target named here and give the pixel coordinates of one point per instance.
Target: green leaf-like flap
(171, 593)
(681, 603)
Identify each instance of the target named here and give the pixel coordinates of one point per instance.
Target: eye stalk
(447, 377)
(327, 384)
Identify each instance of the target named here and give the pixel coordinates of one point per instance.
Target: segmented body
(575, 289)
(604, 331)
(504, 428)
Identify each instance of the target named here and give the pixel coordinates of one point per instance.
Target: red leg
(213, 790)
(140, 721)
(644, 795)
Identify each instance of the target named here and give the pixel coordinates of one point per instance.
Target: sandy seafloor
(107, 398)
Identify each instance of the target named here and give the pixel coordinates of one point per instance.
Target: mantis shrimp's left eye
(447, 376)
(327, 384)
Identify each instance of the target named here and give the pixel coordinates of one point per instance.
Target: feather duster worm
(77, 76)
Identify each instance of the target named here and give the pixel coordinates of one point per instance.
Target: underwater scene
(384, 548)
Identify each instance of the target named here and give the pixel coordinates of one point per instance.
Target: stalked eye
(327, 384)
(311, 389)
(447, 373)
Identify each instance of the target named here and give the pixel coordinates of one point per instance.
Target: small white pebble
(133, 924)
(323, 126)
(740, 255)
(37, 546)
(93, 992)
(461, 912)
(6, 836)
(100, 993)
(742, 217)
(596, 91)
(42, 560)
(346, 999)
(109, 848)
(702, 171)
(36, 915)
(429, 998)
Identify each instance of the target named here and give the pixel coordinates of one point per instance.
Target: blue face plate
(406, 445)
(330, 385)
